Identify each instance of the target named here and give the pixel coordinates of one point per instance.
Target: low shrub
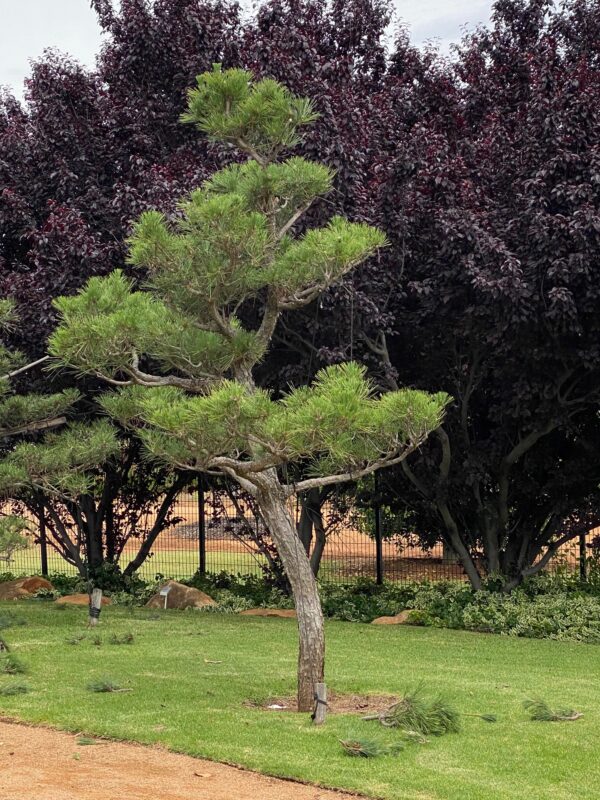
(554, 606)
(573, 616)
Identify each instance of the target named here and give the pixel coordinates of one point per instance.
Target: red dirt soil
(44, 764)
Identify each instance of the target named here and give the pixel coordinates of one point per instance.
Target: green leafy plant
(540, 711)
(12, 539)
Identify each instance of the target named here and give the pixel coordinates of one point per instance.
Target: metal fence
(216, 535)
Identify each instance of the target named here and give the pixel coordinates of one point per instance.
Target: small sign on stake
(164, 592)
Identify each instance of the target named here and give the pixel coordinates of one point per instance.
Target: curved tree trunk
(311, 656)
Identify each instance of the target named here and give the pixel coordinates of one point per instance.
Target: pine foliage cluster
(233, 244)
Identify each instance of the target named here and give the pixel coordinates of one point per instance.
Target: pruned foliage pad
(418, 714)
(540, 711)
(369, 748)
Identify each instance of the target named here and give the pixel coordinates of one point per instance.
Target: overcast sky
(27, 27)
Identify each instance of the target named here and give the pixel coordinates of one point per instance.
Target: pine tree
(185, 360)
(57, 463)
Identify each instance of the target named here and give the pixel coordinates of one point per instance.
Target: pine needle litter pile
(105, 686)
(368, 748)
(416, 714)
(540, 711)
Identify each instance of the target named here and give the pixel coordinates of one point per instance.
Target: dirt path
(43, 764)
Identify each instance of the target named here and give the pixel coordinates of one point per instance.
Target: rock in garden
(23, 587)
(398, 619)
(269, 612)
(79, 600)
(181, 596)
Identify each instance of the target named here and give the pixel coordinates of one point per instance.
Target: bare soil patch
(49, 765)
(336, 703)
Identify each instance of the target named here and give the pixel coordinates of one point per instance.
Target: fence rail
(213, 536)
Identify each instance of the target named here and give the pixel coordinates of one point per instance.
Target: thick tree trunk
(311, 657)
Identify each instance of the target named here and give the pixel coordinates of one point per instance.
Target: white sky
(27, 27)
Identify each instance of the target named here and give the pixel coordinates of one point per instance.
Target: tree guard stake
(95, 607)
(318, 715)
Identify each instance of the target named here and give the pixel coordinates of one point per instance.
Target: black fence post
(582, 557)
(201, 527)
(43, 539)
(378, 539)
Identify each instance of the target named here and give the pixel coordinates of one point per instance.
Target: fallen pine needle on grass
(368, 748)
(107, 686)
(540, 711)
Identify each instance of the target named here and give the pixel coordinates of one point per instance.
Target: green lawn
(191, 705)
(175, 563)
(172, 563)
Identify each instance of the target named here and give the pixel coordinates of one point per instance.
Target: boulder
(79, 600)
(398, 619)
(269, 612)
(23, 587)
(181, 596)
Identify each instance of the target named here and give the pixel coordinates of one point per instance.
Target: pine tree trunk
(311, 657)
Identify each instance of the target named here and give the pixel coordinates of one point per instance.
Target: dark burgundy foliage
(483, 169)
(492, 207)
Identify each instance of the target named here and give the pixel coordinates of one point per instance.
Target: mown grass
(172, 563)
(181, 699)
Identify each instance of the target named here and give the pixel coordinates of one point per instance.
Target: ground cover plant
(545, 607)
(182, 699)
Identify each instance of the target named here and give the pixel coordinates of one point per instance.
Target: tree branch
(27, 367)
(328, 480)
(33, 427)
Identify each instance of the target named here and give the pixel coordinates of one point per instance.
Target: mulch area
(336, 703)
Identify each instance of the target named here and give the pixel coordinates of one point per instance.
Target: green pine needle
(10, 665)
(540, 711)
(368, 748)
(416, 714)
(105, 686)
